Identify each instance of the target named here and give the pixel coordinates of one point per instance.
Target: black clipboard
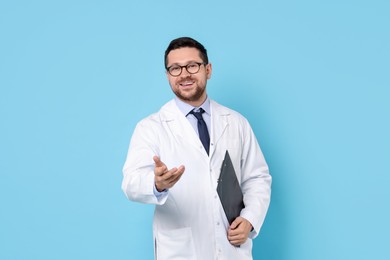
(229, 190)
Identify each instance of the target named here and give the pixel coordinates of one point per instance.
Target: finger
(236, 223)
(180, 170)
(237, 239)
(160, 168)
(234, 232)
(174, 174)
(157, 161)
(168, 175)
(236, 242)
(238, 232)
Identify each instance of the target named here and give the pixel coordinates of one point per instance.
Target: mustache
(187, 78)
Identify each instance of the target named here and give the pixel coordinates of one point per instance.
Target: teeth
(186, 83)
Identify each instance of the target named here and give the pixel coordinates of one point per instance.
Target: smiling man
(190, 85)
(174, 161)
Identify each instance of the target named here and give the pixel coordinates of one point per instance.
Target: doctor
(174, 161)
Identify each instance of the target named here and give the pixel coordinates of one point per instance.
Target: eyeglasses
(192, 68)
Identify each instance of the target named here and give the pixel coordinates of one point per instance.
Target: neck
(195, 103)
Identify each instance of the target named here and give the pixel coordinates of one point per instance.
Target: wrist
(159, 189)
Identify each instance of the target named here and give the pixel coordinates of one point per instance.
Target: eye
(192, 66)
(174, 69)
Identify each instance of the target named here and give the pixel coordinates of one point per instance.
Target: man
(174, 161)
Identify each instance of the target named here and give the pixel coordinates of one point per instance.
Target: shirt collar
(186, 108)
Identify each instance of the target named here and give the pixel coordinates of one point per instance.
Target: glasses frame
(185, 66)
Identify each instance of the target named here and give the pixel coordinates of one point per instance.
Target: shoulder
(221, 110)
(156, 119)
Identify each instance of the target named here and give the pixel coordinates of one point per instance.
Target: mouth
(186, 83)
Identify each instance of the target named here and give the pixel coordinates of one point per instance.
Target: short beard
(195, 97)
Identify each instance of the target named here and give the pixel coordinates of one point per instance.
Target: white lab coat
(189, 221)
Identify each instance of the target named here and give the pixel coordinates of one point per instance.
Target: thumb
(236, 223)
(157, 161)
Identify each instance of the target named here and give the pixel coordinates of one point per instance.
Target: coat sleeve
(138, 171)
(255, 181)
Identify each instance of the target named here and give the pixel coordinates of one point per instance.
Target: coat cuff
(252, 219)
(160, 196)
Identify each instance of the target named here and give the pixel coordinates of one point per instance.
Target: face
(190, 88)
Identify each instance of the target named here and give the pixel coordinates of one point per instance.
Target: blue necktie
(202, 129)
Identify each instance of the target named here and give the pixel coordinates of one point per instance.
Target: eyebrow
(178, 64)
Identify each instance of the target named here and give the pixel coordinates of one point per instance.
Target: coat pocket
(176, 244)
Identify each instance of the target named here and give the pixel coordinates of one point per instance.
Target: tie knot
(198, 114)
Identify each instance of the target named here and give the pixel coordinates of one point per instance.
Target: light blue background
(312, 77)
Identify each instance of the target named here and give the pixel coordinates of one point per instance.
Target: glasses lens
(175, 70)
(193, 68)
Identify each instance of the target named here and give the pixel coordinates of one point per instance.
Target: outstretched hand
(164, 178)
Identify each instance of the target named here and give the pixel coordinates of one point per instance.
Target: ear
(209, 69)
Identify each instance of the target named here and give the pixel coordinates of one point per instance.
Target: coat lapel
(219, 123)
(182, 130)
(178, 124)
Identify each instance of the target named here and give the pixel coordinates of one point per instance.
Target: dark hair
(186, 42)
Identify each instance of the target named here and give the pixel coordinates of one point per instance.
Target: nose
(185, 73)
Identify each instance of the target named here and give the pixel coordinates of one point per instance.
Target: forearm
(255, 183)
(257, 193)
(138, 171)
(138, 185)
